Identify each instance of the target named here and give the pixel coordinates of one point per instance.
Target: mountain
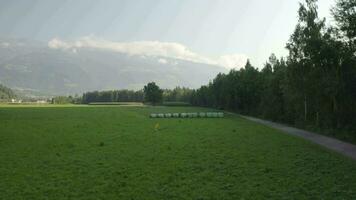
(34, 67)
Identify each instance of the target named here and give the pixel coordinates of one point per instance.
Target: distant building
(16, 101)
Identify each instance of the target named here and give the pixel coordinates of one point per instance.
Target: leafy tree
(273, 98)
(152, 93)
(345, 15)
(178, 94)
(6, 93)
(307, 62)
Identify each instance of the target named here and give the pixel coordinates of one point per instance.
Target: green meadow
(117, 152)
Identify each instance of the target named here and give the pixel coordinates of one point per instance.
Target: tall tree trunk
(335, 112)
(305, 108)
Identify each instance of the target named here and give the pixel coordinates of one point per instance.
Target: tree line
(315, 85)
(150, 93)
(113, 96)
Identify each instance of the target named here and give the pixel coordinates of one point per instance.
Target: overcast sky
(208, 28)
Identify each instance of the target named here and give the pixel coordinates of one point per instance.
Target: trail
(344, 148)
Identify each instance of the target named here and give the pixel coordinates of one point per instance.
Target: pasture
(114, 152)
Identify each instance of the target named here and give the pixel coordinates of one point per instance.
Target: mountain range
(32, 67)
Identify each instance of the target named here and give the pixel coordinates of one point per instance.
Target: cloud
(149, 48)
(162, 61)
(58, 44)
(5, 44)
(232, 61)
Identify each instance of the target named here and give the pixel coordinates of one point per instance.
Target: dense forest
(314, 86)
(6, 93)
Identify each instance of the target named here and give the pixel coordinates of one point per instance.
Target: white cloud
(162, 61)
(150, 48)
(58, 44)
(5, 44)
(232, 60)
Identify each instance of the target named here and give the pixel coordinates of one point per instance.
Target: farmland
(118, 152)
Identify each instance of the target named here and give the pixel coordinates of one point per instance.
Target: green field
(113, 152)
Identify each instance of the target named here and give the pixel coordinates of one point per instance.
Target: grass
(113, 152)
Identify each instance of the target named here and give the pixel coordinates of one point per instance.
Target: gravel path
(330, 143)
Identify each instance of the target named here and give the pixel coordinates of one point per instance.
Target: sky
(223, 32)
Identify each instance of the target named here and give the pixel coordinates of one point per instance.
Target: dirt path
(330, 143)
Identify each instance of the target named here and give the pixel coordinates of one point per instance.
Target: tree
(62, 100)
(6, 93)
(344, 14)
(152, 93)
(178, 94)
(272, 98)
(304, 61)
